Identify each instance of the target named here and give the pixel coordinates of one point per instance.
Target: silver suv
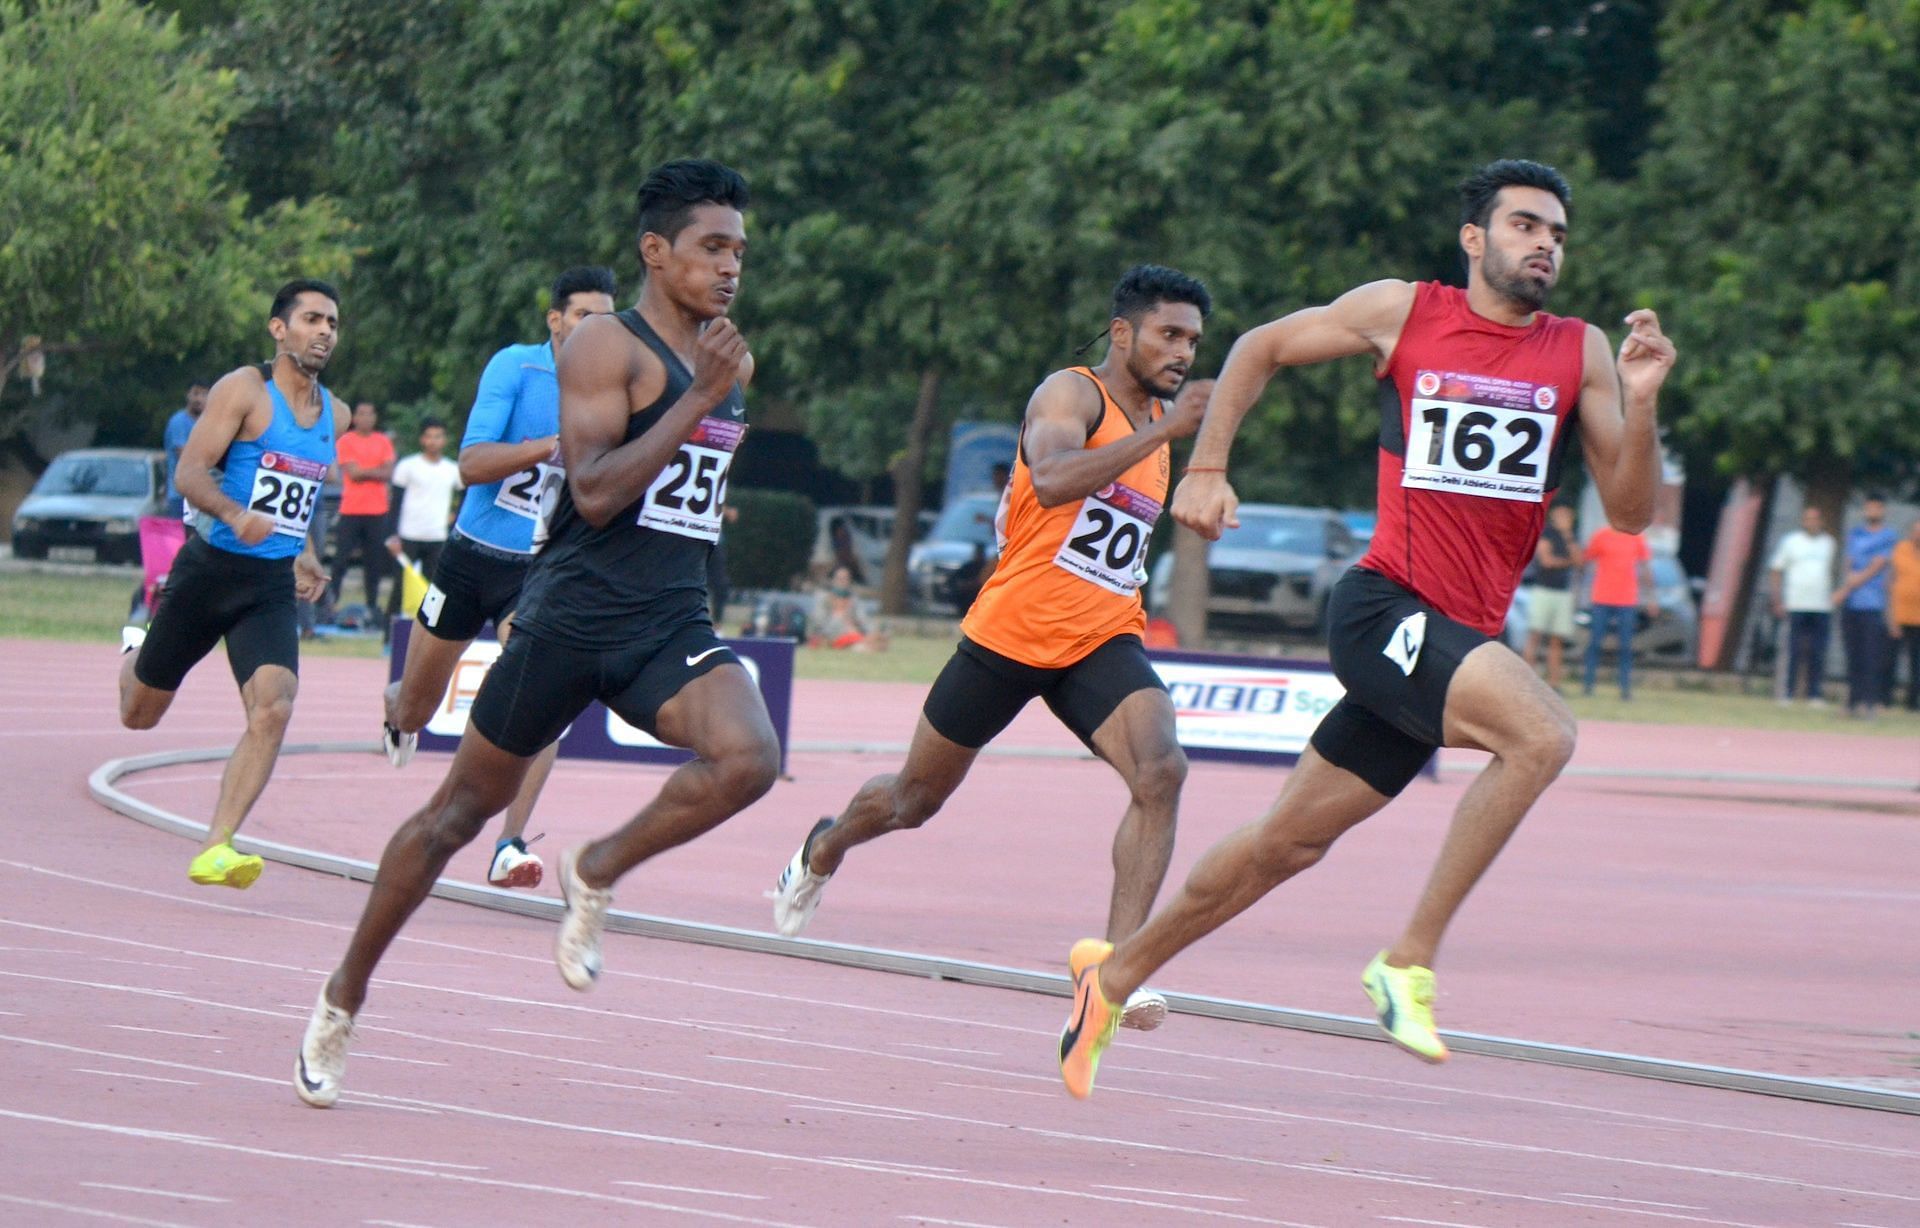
(1277, 567)
(93, 498)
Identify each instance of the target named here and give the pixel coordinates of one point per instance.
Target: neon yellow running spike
(1091, 1023)
(221, 866)
(1403, 999)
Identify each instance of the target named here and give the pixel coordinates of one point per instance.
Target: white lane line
(1356, 1171)
(44, 1205)
(1221, 1116)
(761, 1061)
(1437, 1223)
(405, 1108)
(471, 1168)
(1638, 1202)
(547, 1035)
(392, 1223)
(834, 1108)
(41, 951)
(631, 1087)
(1006, 1091)
(692, 1189)
(902, 1165)
(1140, 1189)
(142, 963)
(948, 1223)
(122, 1074)
(128, 1027)
(730, 1023)
(907, 1044)
(203, 902)
(385, 1057)
(141, 1189)
(1268, 1114)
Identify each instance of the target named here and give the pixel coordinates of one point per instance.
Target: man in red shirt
(366, 462)
(1482, 392)
(1621, 566)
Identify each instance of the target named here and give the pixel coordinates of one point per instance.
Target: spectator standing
(1550, 593)
(366, 462)
(1801, 578)
(1621, 564)
(428, 481)
(1903, 609)
(178, 428)
(1862, 601)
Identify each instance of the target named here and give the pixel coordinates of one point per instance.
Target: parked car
(947, 566)
(865, 532)
(1277, 567)
(1361, 524)
(93, 497)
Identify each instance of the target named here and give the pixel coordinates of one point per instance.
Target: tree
(1777, 221)
(119, 230)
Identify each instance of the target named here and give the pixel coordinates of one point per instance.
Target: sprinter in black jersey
(615, 606)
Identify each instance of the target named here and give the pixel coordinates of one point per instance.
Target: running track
(151, 1025)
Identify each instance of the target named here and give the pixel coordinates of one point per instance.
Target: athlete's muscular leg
(141, 706)
(1495, 703)
(268, 698)
(423, 680)
(720, 717)
(479, 784)
(1138, 740)
(905, 799)
(1316, 806)
(529, 795)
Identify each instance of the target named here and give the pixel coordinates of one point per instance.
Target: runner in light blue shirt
(510, 463)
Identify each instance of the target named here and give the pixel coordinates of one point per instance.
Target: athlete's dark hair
(584, 279)
(673, 190)
(429, 423)
(1478, 190)
(1874, 496)
(1145, 286)
(289, 294)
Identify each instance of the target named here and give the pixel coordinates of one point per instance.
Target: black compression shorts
(213, 594)
(979, 692)
(472, 585)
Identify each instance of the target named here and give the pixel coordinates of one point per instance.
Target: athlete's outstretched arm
(1619, 431)
(1366, 319)
(600, 381)
(229, 402)
(1064, 408)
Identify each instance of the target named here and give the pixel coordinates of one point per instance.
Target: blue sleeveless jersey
(519, 399)
(279, 475)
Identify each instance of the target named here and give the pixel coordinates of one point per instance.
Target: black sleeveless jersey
(589, 587)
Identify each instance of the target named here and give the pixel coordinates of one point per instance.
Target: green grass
(89, 606)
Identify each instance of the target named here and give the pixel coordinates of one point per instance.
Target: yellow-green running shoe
(221, 866)
(1092, 1020)
(1403, 999)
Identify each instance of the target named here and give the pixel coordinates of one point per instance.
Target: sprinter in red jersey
(1481, 392)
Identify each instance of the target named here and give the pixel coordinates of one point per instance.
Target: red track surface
(151, 1025)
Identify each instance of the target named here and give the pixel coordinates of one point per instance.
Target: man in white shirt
(1801, 578)
(428, 480)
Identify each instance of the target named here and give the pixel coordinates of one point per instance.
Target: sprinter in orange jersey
(1060, 618)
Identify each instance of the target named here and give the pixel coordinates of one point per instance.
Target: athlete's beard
(1511, 281)
(1149, 380)
(310, 370)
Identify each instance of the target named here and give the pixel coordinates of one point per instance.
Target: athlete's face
(1520, 249)
(1161, 347)
(561, 321)
(700, 268)
(309, 331)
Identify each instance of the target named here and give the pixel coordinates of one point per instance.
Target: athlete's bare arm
(490, 461)
(310, 578)
(1619, 432)
(236, 406)
(1064, 408)
(606, 376)
(1366, 319)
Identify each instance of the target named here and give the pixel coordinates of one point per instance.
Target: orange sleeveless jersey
(1069, 577)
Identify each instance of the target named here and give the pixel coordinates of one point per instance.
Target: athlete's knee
(1545, 745)
(1284, 850)
(137, 715)
(1158, 779)
(747, 770)
(269, 713)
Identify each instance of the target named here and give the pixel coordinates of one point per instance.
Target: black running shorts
(979, 692)
(472, 584)
(213, 594)
(539, 686)
(1391, 721)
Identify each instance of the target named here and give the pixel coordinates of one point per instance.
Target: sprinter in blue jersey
(509, 463)
(269, 431)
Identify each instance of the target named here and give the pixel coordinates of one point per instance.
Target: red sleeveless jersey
(1475, 421)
